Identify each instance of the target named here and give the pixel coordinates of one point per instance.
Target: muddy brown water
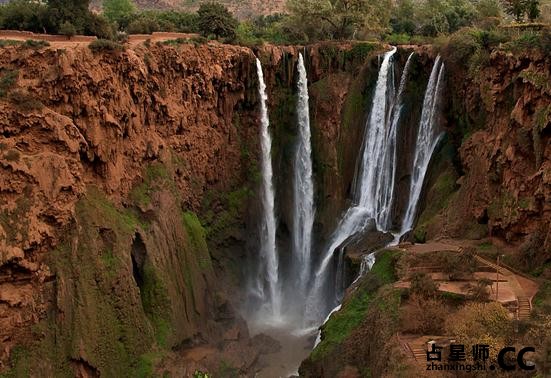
(295, 347)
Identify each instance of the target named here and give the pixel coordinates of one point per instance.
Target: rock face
(106, 161)
(98, 189)
(497, 184)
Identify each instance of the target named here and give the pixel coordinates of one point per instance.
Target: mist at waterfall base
(299, 300)
(278, 292)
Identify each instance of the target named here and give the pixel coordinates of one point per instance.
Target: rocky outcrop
(499, 120)
(104, 160)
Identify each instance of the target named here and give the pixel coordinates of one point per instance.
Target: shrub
(67, 29)
(34, 44)
(398, 39)
(177, 41)
(423, 285)
(461, 46)
(105, 45)
(99, 26)
(24, 100)
(143, 26)
(9, 42)
(12, 155)
(7, 81)
(481, 323)
(424, 315)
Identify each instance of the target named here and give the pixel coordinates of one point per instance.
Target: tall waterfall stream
(291, 309)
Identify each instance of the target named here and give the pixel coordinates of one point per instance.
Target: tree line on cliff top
(305, 20)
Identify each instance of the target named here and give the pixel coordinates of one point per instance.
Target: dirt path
(509, 286)
(59, 41)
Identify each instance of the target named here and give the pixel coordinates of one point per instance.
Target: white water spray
(427, 140)
(372, 200)
(303, 189)
(267, 282)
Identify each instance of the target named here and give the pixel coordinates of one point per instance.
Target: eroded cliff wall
(128, 193)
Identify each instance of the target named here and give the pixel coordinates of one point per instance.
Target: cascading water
(303, 190)
(427, 140)
(267, 281)
(372, 200)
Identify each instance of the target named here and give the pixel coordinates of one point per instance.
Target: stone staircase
(524, 304)
(524, 308)
(419, 352)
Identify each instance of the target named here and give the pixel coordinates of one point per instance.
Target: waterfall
(373, 198)
(367, 263)
(427, 140)
(267, 281)
(303, 189)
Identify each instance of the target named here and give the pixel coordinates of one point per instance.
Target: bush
(100, 45)
(99, 26)
(424, 316)
(9, 42)
(526, 41)
(477, 322)
(7, 81)
(461, 46)
(35, 44)
(24, 100)
(67, 29)
(423, 285)
(216, 19)
(398, 39)
(143, 26)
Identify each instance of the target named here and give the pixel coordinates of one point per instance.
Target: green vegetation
(34, 44)
(440, 195)
(398, 22)
(155, 177)
(118, 10)
(215, 19)
(51, 16)
(197, 235)
(9, 42)
(221, 224)
(149, 21)
(342, 323)
(156, 303)
(105, 45)
(7, 81)
(67, 29)
(24, 100)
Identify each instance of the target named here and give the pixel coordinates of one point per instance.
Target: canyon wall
(128, 189)
(492, 174)
(128, 193)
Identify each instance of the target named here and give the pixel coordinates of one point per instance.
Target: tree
(339, 19)
(74, 11)
(402, 17)
(117, 10)
(216, 19)
(515, 8)
(67, 29)
(532, 9)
